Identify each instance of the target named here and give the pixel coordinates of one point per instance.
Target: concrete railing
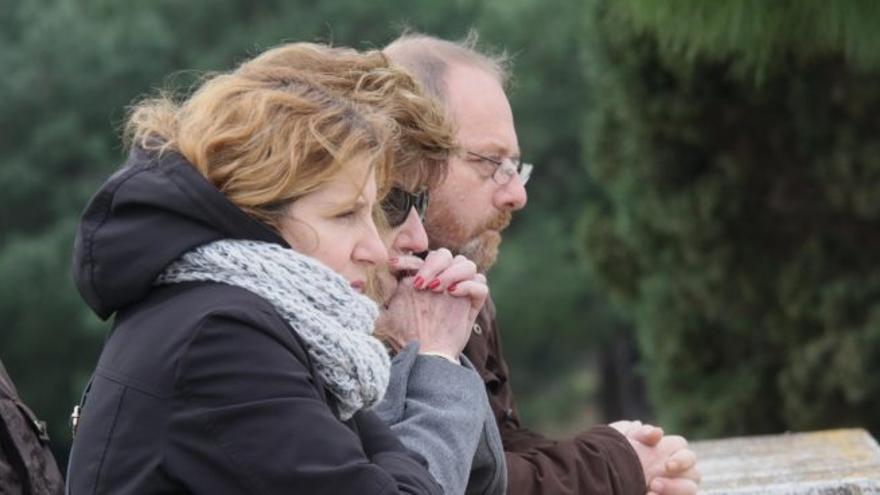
(829, 462)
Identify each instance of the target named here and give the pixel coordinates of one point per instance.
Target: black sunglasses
(399, 202)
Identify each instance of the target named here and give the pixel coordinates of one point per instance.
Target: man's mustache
(498, 223)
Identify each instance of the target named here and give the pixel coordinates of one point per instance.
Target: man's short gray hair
(428, 59)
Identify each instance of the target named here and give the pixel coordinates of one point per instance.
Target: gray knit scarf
(334, 321)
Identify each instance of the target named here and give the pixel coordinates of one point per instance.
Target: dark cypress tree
(738, 147)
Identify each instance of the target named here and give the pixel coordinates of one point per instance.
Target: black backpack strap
(7, 442)
(14, 457)
(25, 443)
(41, 429)
(8, 391)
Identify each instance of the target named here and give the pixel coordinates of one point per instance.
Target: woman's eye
(347, 214)
(352, 213)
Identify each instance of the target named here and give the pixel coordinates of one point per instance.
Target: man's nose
(511, 196)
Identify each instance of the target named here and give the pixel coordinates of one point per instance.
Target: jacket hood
(145, 216)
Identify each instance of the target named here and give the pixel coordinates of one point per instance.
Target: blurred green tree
(738, 148)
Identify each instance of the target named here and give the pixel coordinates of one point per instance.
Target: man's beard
(480, 244)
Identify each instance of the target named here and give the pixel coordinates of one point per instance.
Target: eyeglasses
(399, 202)
(506, 168)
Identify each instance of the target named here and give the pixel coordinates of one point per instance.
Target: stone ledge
(828, 462)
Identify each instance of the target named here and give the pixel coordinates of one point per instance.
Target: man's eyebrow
(499, 151)
(492, 146)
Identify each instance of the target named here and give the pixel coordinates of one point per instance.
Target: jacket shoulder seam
(129, 382)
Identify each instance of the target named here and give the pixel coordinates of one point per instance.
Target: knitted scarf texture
(334, 322)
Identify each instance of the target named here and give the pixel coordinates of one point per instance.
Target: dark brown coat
(597, 461)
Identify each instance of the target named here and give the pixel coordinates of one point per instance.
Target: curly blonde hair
(285, 122)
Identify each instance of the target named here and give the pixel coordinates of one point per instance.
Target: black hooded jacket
(203, 387)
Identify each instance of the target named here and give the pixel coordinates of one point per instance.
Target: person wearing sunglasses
(469, 208)
(435, 401)
(400, 203)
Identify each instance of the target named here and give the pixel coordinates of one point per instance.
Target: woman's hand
(441, 272)
(436, 305)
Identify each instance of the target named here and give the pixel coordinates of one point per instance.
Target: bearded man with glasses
(468, 210)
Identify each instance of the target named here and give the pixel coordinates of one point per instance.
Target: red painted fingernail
(452, 287)
(434, 284)
(417, 282)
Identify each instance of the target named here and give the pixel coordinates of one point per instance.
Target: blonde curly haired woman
(232, 250)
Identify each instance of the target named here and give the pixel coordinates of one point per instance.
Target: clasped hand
(670, 467)
(436, 305)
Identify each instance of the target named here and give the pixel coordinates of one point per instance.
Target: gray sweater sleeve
(438, 409)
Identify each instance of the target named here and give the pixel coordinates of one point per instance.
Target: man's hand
(648, 435)
(670, 467)
(682, 475)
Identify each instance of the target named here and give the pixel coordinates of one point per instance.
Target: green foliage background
(711, 166)
(737, 148)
